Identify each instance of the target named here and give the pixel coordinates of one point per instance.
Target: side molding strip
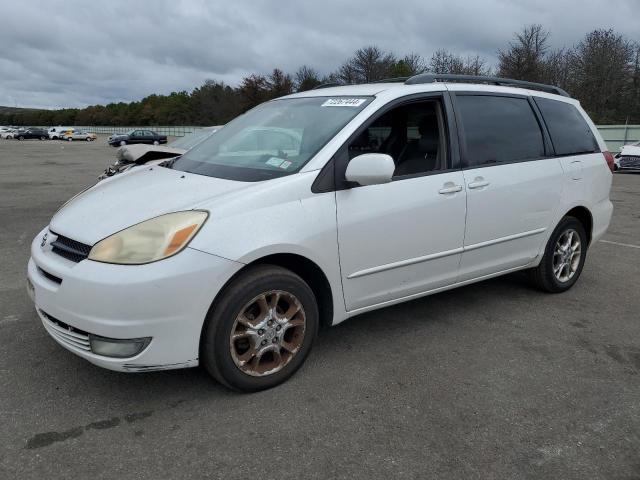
(446, 253)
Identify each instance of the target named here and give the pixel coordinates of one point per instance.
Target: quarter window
(499, 129)
(570, 133)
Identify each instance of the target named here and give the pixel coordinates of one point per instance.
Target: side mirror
(370, 169)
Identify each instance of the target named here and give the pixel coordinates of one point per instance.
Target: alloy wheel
(267, 333)
(566, 255)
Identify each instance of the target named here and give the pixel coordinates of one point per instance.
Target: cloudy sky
(78, 53)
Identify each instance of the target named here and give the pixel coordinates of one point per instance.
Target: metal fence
(169, 130)
(618, 135)
(614, 135)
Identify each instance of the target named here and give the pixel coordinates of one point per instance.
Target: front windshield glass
(274, 139)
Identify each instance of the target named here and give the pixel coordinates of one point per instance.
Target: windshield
(274, 139)
(191, 140)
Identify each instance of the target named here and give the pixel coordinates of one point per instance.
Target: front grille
(51, 277)
(70, 249)
(66, 334)
(629, 162)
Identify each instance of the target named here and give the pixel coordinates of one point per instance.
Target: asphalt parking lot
(493, 380)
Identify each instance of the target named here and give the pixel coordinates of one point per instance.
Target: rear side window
(499, 129)
(568, 129)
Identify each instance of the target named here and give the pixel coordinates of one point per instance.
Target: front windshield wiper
(169, 163)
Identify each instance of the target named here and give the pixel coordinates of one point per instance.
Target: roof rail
(328, 85)
(507, 82)
(392, 80)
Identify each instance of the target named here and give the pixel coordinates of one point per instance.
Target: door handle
(451, 189)
(478, 182)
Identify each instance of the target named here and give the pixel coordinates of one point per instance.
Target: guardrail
(618, 135)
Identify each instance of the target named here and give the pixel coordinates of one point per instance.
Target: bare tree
(601, 71)
(524, 59)
(368, 64)
(411, 64)
(306, 78)
(443, 61)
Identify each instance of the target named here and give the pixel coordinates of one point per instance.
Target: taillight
(608, 156)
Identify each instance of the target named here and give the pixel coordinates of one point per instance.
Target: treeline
(602, 71)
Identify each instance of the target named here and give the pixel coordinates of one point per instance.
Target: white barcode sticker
(344, 102)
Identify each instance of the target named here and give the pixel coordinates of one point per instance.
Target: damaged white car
(629, 158)
(129, 156)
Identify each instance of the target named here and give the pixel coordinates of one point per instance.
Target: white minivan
(313, 208)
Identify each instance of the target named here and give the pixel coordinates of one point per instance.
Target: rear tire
(270, 343)
(20, 138)
(156, 142)
(70, 139)
(41, 138)
(563, 259)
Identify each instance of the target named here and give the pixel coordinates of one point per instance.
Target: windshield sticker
(344, 102)
(284, 165)
(275, 162)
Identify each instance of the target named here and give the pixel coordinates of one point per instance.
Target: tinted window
(499, 129)
(569, 131)
(412, 134)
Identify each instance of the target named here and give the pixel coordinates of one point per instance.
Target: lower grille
(629, 162)
(49, 276)
(66, 334)
(70, 249)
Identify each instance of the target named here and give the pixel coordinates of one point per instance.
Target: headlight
(151, 240)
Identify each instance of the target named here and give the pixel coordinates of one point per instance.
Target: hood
(133, 197)
(630, 150)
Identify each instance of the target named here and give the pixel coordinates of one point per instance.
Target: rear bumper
(167, 301)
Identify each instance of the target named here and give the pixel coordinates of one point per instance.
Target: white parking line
(620, 244)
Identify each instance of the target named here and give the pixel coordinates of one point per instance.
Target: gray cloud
(82, 53)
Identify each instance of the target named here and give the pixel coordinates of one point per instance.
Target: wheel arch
(306, 269)
(585, 217)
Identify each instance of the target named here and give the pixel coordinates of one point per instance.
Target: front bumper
(166, 300)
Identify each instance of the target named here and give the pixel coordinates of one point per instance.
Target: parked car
(75, 134)
(137, 136)
(129, 156)
(8, 133)
(55, 133)
(231, 256)
(31, 132)
(629, 158)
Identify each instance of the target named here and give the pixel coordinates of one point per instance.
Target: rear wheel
(563, 259)
(69, 139)
(88, 139)
(260, 330)
(20, 137)
(41, 138)
(156, 142)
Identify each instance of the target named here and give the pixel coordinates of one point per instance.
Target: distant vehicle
(56, 132)
(629, 158)
(137, 136)
(31, 132)
(74, 134)
(130, 156)
(8, 133)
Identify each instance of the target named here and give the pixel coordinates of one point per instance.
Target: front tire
(69, 139)
(122, 143)
(260, 329)
(563, 258)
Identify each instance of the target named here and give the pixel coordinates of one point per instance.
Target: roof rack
(392, 80)
(328, 85)
(507, 82)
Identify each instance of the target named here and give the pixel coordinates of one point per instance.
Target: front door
(403, 238)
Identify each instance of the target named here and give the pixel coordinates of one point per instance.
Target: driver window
(412, 134)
